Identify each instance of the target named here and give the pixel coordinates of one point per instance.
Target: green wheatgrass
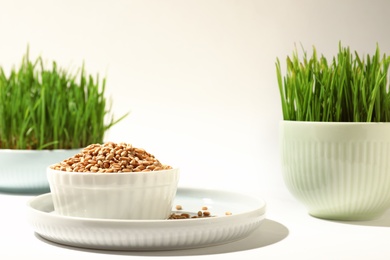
(348, 88)
(52, 108)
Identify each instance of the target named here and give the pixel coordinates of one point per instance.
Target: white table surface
(199, 79)
(287, 233)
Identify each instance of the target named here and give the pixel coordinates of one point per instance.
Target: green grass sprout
(51, 108)
(347, 88)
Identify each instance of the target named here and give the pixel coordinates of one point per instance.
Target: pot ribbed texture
(24, 171)
(346, 177)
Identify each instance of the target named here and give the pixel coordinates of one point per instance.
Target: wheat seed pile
(111, 158)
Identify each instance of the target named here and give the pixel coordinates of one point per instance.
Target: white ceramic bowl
(24, 171)
(126, 195)
(338, 170)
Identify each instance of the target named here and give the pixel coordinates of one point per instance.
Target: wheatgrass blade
(51, 108)
(346, 89)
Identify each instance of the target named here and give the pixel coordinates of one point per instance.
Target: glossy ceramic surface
(24, 171)
(247, 215)
(338, 170)
(126, 195)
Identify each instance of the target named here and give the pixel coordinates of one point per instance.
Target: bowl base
(346, 216)
(24, 190)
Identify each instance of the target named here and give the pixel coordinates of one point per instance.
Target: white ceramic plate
(110, 234)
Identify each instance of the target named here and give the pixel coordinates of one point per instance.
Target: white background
(199, 80)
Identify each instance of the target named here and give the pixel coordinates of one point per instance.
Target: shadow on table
(270, 232)
(383, 221)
